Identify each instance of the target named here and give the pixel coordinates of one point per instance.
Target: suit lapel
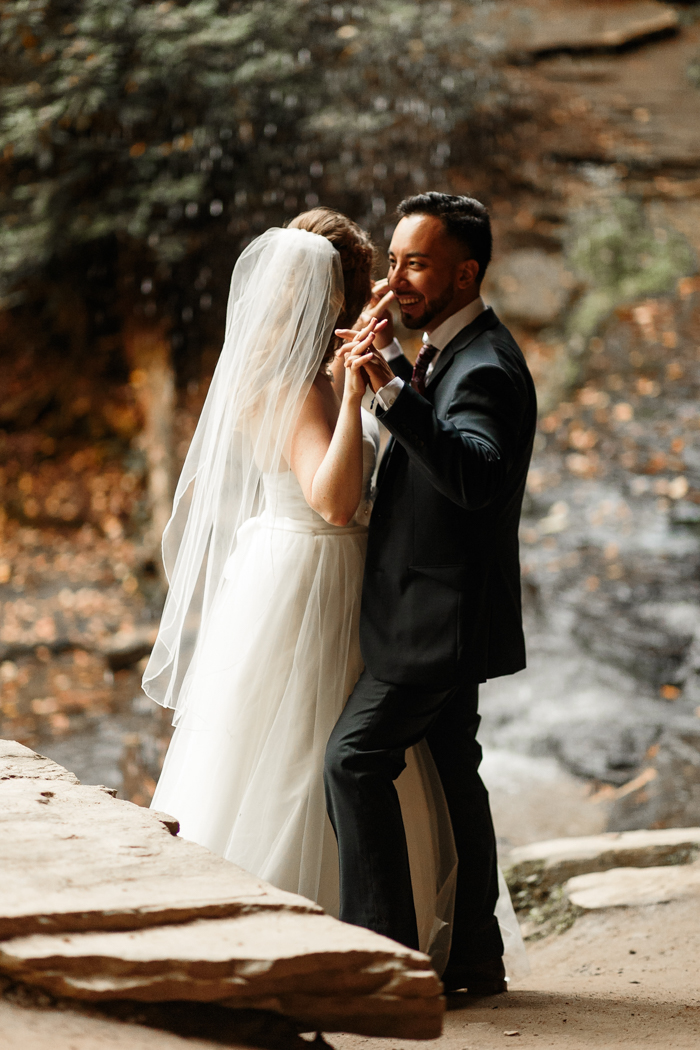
(486, 319)
(386, 456)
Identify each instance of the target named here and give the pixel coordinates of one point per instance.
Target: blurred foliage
(164, 126)
(621, 256)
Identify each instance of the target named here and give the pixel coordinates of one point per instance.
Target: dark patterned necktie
(426, 355)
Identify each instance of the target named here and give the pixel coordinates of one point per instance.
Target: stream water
(556, 737)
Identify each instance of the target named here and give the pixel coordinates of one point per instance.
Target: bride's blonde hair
(356, 252)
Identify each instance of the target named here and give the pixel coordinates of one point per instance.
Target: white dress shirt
(443, 334)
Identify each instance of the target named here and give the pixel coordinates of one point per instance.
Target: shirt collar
(445, 332)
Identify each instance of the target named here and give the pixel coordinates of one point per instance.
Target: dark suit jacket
(441, 600)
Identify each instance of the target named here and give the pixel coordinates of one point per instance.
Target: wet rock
(608, 750)
(633, 887)
(652, 640)
(531, 287)
(611, 562)
(163, 919)
(669, 795)
(555, 862)
(645, 105)
(542, 25)
(533, 799)
(594, 719)
(126, 648)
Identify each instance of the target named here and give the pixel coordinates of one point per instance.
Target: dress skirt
(276, 663)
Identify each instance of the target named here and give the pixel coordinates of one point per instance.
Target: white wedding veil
(286, 293)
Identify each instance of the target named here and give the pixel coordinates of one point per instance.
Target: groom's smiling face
(428, 273)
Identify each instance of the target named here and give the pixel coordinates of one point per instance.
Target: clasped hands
(362, 360)
(363, 363)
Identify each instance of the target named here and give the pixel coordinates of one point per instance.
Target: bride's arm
(328, 461)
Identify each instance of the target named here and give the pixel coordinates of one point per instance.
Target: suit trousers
(364, 756)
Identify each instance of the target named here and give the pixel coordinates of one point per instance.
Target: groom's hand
(359, 354)
(378, 308)
(362, 345)
(378, 372)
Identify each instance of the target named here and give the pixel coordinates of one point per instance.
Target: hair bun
(356, 252)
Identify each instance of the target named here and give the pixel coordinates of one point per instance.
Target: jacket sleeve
(401, 367)
(467, 455)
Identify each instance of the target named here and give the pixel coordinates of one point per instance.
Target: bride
(258, 647)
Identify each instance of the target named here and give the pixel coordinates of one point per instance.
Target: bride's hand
(356, 341)
(357, 351)
(355, 376)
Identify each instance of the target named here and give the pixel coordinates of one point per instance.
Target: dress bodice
(284, 498)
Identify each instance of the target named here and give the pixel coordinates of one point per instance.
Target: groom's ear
(467, 273)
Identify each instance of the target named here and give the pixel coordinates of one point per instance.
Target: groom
(441, 601)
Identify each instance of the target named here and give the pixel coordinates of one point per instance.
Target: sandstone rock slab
(558, 860)
(310, 967)
(541, 26)
(76, 858)
(634, 887)
(102, 903)
(18, 762)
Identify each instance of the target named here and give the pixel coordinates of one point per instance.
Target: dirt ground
(616, 980)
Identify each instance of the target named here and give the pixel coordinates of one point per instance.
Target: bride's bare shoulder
(317, 417)
(323, 384)
(321, 400)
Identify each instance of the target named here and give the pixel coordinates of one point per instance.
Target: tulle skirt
(277, 662)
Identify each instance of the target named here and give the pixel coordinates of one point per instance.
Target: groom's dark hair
(465, 219)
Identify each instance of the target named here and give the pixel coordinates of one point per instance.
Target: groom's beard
(433, 307)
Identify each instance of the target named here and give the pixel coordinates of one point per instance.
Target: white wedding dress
(244, 771)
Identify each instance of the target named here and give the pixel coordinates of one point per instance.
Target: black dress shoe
(485, 978)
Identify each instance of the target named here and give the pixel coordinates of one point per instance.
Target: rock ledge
(554, 862)
(102, 902)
